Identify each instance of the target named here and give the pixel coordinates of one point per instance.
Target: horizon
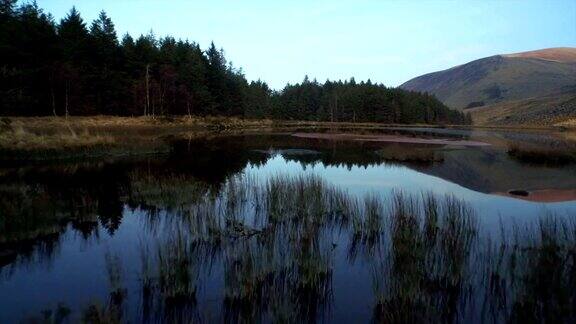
(349, 42)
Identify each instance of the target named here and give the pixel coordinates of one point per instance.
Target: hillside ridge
(501, 78)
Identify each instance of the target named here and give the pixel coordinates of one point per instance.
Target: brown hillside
(501, 78)
(558, 54)
(559, 110)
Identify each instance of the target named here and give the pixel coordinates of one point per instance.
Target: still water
(274, 228)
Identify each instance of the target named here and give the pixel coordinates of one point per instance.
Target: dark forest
(72, 67)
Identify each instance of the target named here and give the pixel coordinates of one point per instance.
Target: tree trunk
(336, 107)
(147, 106)
(66, 99)
(52, 95)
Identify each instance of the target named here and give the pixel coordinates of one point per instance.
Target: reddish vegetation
(558, 54)
(545, 195)
(390, 139)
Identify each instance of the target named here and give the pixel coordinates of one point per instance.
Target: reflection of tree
(271, 240)
(36, 207)
(38, 202)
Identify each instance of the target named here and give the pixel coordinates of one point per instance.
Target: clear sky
(386, 41)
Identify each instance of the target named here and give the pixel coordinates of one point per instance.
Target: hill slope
(553, 110)
(502, 78)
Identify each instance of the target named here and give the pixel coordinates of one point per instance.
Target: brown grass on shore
(20, 139)
(56, 137)
(542, 155)
(212, 122)
(140, 121)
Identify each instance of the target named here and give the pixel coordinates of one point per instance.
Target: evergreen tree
(64, 69)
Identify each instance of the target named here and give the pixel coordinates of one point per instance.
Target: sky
(387, 42)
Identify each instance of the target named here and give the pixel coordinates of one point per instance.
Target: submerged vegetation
(274, 241)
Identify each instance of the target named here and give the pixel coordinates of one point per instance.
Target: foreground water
(277, 228)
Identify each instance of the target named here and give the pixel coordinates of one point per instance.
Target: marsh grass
(47, 138)
(274, 236)
(423, 274)
(17, 137)
(63, 139)
(177, 269)
(118, 294)
(416, 154)
(96, 313)
(276, 242)
(550, 156)
(61, 314)
(531, 273)
(283, 275)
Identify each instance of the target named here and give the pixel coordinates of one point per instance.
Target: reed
(531, 272)
(273, 239)
(424, 274)
(552, 156)
(177, 269)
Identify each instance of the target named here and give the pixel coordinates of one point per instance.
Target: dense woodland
(72, 67)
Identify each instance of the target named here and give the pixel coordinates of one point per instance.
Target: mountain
(502, 79)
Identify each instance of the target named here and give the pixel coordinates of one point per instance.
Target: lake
(273, 227)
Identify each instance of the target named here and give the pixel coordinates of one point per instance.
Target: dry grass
(106, 122)
(570, 123)
(552, 111)
(543, 155)
(23, 138)
(60, 138)
(20, 139)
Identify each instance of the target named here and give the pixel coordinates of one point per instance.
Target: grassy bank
(43, 138)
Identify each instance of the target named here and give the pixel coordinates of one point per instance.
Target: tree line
(71, 67)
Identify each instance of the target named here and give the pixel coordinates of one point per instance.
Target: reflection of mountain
(490, 171)
(484, 170)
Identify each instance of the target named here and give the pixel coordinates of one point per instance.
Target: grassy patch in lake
(548, 156)
(403, 153)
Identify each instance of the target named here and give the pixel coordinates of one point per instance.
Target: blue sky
(386, 41)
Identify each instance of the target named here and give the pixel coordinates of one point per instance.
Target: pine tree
(70, 69)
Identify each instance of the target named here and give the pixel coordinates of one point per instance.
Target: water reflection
(230, 231)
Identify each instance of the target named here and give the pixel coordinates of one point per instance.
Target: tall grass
(274, 236)
(531, 274)
(422, 275)
(275, 241)
(19, 138)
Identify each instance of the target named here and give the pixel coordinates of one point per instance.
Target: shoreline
(60, 138)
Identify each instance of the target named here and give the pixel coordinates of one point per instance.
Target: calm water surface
(85, 240)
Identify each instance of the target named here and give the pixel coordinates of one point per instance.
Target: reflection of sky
(77, 276)
(385, 178)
